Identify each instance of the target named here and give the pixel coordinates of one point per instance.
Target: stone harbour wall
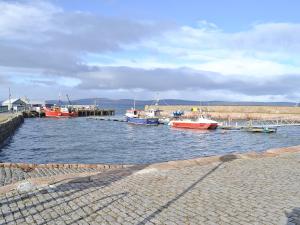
(8, 126)
(237, 112)
(28, 166)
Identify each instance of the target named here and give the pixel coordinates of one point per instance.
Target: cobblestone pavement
(234, 192)
(11, 175)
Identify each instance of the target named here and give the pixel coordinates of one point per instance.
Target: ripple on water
(81, 140)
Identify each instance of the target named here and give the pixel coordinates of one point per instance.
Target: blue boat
(142, 121)
(135, 117)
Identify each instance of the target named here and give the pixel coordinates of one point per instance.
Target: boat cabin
(133, 113)
(178, 113)
(153, 112)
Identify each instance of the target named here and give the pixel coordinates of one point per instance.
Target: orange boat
(60, 112)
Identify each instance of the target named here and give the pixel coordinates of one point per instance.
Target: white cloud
(264, 50)
(244, 66)
(26, 21)
(186, 79)
(42, 45)
(39, 35)
(270, 37)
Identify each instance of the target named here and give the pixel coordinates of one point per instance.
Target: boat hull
(143, 121)
(201, 126)
(261, 129)
(57, 114)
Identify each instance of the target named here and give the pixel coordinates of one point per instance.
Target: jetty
(263, 113)
(253, 129)
(114, 119)
(257, 126)
(95, 112)
(82, 112)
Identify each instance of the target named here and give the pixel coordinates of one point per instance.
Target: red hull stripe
(203, 126)
(59, 114)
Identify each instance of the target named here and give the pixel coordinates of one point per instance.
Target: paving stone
(12, 175)
(242, 191)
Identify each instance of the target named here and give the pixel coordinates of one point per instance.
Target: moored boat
(195, 123)
(261, 129)
(138, 117)
(143, 121)
(164, 120)
(60, 112)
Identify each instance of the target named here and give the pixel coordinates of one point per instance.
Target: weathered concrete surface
(231, 190)
(4, 117)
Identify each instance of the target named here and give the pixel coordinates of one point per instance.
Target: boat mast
(69, 100)
(156, 104)
(9, 100)
(157, 99)
(59, 101)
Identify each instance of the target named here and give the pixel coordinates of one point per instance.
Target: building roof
(37, 102)
(13, 101)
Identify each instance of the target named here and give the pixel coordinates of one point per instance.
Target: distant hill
(140, 103)
(103, 101)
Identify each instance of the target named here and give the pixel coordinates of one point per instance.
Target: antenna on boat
(69, 99)
(9, 99)
(59, 101)
(157, 99)
(134, 103)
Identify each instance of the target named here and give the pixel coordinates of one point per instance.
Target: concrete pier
(81, 113)
(238, 112)
(95, 112)
(8, 124)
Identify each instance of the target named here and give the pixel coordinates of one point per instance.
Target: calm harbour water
(83, 140)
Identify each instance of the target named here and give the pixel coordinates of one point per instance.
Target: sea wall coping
(163, 165)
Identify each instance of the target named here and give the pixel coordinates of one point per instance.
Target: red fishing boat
(195, 123)
(60, 112)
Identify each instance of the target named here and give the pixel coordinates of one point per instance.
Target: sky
(227, 50)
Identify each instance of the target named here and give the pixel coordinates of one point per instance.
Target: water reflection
(193, 131)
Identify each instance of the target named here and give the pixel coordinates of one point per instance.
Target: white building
(16, 104)
(36, 105)
(3, 109)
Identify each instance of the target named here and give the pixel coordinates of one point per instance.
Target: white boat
(195, 123)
